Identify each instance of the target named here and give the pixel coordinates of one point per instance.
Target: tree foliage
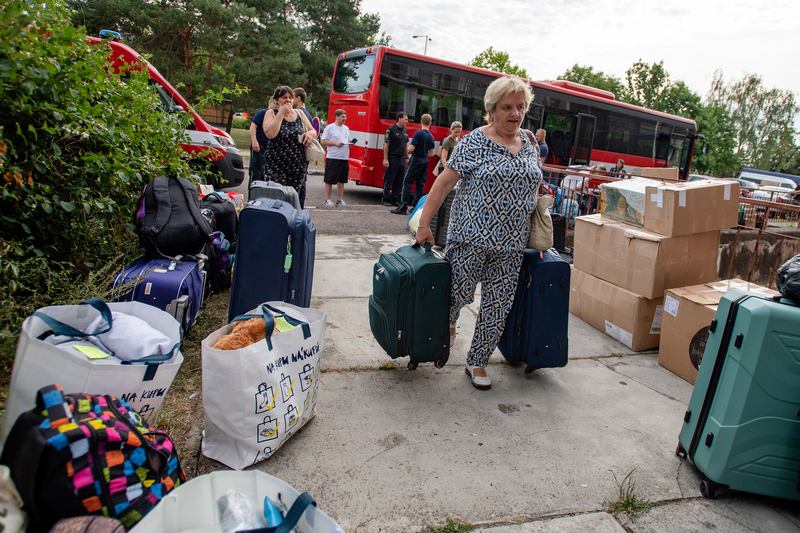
(498, 61)
(599, 80)
(762, 120)
(256, 43)
(77, 141)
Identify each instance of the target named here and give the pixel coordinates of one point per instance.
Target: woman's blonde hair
(456, 124)
(503, 87)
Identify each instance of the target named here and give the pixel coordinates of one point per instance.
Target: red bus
(585, 126)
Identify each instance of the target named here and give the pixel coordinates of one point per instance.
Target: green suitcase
(742, 427)
(410, 305)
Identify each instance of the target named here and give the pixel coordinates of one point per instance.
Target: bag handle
(267, 314)
(292, 517)
(59, 328)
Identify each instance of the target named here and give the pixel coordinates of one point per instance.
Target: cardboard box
(632, 319)
(688, 312)
(642, 261)
(672, 208)
(661, 173)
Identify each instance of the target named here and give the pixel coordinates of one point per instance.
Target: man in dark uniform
(394, 160)
(258, 144)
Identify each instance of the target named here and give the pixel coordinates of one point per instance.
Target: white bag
(256, 397)
(12, 518)
(193, 505)
(38, 364)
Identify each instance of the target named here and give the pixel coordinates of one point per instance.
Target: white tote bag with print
(142, 384)
(258, 396)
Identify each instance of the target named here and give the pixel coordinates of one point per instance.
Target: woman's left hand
(307, 138)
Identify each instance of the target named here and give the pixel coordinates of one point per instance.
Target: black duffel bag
(225, 217)
(168, 221)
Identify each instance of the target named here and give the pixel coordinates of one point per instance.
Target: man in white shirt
(336, 137)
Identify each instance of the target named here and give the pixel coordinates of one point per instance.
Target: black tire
(439, 363)
(529, 369)
(412, 365)
(708, 489)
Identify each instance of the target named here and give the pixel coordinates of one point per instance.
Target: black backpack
(225, 217)
(168, 221)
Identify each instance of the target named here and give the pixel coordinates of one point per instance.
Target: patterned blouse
(285, 160)
(496, 194)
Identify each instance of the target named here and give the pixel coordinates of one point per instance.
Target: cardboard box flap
(632, 233)
(593, 219)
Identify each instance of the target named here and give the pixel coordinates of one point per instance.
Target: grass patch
(386, 366)
(627, 500)
(452, 526)
(242, 139)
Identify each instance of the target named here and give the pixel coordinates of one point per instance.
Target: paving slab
(397, 450)
(730, 513)
(594, 522)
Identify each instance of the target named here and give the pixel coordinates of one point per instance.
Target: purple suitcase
(176, 287)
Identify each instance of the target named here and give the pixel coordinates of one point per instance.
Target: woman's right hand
(285, 109)
(424, 235)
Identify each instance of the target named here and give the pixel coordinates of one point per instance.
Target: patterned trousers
(498, 273)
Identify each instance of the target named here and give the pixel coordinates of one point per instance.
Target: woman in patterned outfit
(285, 160)
(498, 169)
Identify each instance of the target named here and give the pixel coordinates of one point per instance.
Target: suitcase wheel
(439, 363)
(708, 488)
(412, 365)
(529, 369)
(680, 452)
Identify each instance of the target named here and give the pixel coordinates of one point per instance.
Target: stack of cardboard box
(650, 236)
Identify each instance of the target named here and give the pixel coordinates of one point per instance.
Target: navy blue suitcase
(537, 326)
(176, 287)
(274, 256)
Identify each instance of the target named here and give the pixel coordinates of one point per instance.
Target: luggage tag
(268, 429)
(287, 263)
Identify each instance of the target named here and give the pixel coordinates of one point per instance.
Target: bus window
(559, 133)
(676, 151)
(645, 139)
(354, 74)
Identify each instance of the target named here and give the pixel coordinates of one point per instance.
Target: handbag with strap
(541, 234)
(314, 151)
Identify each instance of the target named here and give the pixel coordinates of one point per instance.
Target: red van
(222, 154)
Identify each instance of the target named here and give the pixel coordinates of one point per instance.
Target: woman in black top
(285, 160)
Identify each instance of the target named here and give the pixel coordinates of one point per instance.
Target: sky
(694, 38)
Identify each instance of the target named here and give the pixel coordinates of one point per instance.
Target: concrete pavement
(395, 451)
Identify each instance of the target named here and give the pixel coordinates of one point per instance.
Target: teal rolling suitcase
(410, 305)
(742, 427)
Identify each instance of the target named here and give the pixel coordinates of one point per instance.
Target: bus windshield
(354, 74)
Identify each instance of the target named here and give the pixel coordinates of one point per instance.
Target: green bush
(241, 123)
(77, 143)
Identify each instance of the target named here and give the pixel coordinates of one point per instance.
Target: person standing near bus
(541, 134)
(420, 149)
(618, 170)
(299, 103)
(336, 137)
(498, 169)
(394, 160)
(448, 143)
